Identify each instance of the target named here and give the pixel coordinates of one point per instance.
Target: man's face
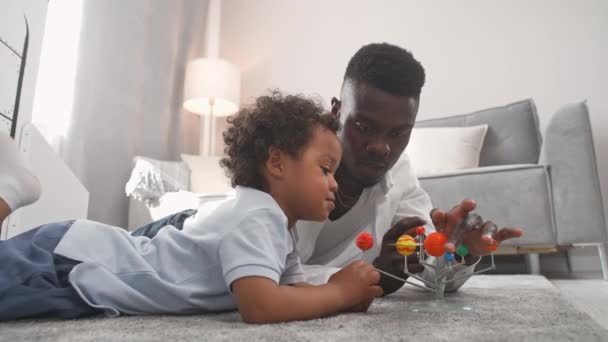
(376, 129)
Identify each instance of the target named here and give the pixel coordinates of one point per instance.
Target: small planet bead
(449, 257)
(406, 245)
(364, 241)
(462, 250)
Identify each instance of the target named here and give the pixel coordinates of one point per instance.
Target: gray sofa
(550, 188)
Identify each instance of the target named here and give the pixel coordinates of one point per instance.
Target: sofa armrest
(509, 195)
(568, 151)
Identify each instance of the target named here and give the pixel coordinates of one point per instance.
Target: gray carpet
(505, 308)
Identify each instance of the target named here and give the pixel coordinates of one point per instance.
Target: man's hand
(391, 261)
(460, 224)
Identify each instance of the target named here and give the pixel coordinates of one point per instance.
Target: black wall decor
(14, 71)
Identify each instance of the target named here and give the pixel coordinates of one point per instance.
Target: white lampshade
(208, 78)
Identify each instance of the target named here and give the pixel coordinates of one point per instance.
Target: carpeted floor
(504, 308)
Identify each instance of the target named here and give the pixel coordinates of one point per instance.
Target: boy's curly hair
(286, 122)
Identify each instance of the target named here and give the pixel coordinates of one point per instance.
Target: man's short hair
(387, 67)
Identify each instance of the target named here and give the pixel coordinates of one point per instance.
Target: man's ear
(335, 107)
(274, 163)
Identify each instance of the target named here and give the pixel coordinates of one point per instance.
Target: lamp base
(207, 136)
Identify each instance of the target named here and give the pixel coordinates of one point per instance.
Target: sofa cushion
(510, 196)
(513, 135)
(459, 147)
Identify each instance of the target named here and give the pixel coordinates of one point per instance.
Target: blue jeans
(34, 281)
(177, 220)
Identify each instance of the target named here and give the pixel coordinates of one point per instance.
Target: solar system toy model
(433, 244)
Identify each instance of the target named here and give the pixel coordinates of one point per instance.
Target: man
(377, 190)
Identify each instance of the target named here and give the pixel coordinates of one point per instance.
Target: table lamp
(212, 89)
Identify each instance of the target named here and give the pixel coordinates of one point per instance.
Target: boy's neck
(291, 221)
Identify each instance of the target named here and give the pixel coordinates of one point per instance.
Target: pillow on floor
(436, 150)
(206, 174)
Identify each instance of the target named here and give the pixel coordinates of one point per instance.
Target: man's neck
(349, 191)
(347, 184)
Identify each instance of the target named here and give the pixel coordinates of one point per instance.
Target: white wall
(52, 110)
(477, 54)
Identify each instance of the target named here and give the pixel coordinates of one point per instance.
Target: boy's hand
(358, 284)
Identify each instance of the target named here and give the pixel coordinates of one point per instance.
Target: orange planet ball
(364, 241)
(406, 245)
(435, 244)
(420, 230)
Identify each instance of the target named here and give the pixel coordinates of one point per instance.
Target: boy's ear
(274, 163)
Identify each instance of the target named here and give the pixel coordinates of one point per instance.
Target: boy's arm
(360, 307)
(302, 284)
(262, 300)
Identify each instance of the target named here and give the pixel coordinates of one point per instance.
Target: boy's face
(309, 180)
(376, 129)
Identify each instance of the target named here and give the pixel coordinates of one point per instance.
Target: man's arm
(412, 211)
(416, 203)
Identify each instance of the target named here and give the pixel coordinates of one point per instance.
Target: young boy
(282, 153)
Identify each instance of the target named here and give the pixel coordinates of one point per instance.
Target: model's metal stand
(441, 272)
(442, 269)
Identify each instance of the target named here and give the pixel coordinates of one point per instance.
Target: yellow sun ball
(406, 245)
